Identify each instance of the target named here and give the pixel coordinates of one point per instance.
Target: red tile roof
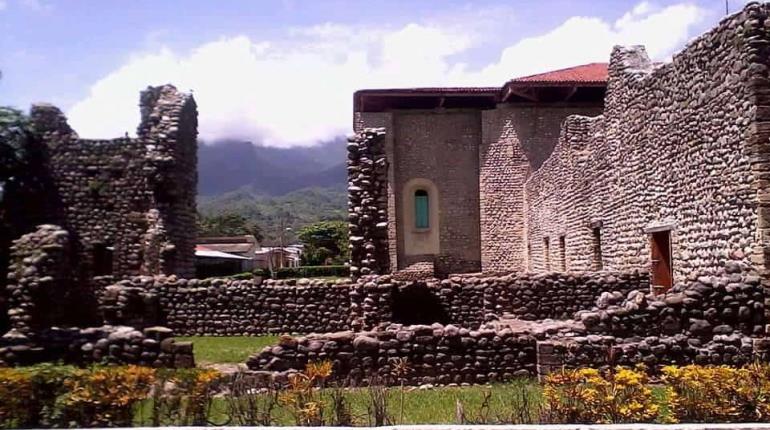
(432, 90)
(594, 73)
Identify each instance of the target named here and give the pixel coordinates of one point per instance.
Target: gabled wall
(516, 138)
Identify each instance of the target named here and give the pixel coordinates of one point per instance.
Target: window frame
(421, 194)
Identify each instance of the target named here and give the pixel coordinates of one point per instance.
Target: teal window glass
(421, 209)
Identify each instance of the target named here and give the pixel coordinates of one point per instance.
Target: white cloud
(299, 89)
(3, 5)
(581, 40)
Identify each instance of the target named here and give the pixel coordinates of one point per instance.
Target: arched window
(421, 209)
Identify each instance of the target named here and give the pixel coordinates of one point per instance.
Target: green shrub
(242, 276)
(28, 395)
(718, 393)
(312, 272)
(104, 396)
(183, 397)
(621, 395)
(264, 273)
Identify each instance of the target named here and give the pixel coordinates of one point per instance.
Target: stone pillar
(368, 203)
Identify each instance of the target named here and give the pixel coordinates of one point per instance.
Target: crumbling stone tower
(127, 205)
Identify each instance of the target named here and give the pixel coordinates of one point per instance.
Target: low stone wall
(154, 346)
(552, 295)
(227, 307)
(654, 352)
(434, 354)
(731, 302)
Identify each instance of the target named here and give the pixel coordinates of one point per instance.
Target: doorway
(661, 267)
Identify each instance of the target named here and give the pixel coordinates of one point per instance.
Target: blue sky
(283, 72)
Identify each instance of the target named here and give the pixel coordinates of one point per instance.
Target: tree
(325, 242)
(15, 135)
(228, 224)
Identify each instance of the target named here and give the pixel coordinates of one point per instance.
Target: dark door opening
(102, 255)
(416, 304)
(661, 265)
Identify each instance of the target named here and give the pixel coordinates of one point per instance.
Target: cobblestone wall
(40, 291)
(654, 352)
(515, 141)
(435, 354)
(227, 307)
(222, 307)
(731, 302)
(680, 144)
(121, 207)
(153, 346)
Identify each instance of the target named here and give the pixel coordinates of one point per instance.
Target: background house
(225, 255)
(275, 257)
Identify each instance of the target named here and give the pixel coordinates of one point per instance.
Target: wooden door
(661, 270)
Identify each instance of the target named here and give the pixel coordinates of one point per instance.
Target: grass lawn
(517, 402)
(433, 406)
(227, 349)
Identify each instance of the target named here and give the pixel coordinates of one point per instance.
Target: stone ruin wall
(515, 142)
(683, 142)
(119, 192)
(384, 120)
(434, 354)
(169, 131)
(136, 196)
(42, 296)
(227, 307)
(39, 282)
(713, 320)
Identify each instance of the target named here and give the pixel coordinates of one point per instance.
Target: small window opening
(421, 209)
(547, 253)
(563, 253)
(597, 249)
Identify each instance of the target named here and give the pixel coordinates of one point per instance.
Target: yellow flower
(319, 370)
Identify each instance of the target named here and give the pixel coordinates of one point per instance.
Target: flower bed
(64, 396)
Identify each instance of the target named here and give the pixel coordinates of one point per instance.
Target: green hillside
(299, 208)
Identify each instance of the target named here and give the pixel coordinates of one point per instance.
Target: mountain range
(230, 165)
(273, 187)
